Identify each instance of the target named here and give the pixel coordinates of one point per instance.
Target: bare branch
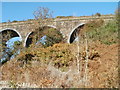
(43, 13)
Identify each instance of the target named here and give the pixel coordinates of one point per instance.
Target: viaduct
(67, 26)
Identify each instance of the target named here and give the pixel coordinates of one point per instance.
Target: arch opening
(75, 32)
(28, 39)
(8, 33)
(38, 36)
(8, 37)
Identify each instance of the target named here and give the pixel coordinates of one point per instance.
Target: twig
(78, 62)
(86, 63)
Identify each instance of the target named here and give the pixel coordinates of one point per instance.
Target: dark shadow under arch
(8, 33)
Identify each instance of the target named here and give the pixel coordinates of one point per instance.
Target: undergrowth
(63, 55)
(59, 55)
(106, 33)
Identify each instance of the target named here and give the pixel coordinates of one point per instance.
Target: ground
(102, 71)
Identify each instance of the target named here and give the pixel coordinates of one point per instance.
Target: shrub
(98, 14)
(91, 25)
(59, 55)
(105, 33)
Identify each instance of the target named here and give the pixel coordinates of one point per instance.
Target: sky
(60, 0)
(24, 10)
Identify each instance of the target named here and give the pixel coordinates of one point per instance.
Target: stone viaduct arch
(68, 27)
(28, 39)
(74, 32)
(12, 32)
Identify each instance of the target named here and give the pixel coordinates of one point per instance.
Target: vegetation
(106, 33)
(42, 13)
(59, 55)
(64, 16)
(64, 57)
(51, 35)
(97, 14)
(10, 51)
(117, 15)
(15, 21)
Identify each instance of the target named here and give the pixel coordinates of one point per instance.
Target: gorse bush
(59, 55)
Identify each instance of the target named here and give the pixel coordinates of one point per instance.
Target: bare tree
(42, 13)
(42, 16)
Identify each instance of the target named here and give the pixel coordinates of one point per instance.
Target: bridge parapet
(62, 19)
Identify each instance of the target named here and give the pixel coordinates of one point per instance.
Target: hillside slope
(56, 66)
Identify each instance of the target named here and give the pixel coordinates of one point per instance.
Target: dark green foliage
(16, 43)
